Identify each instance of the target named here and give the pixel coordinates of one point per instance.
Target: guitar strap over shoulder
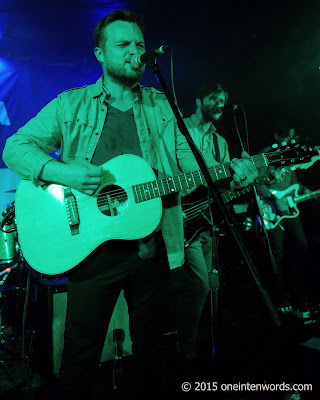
(218, 159)
(216, 148)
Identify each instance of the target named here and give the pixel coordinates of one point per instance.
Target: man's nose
(133, 48)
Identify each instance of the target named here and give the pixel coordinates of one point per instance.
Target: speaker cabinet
(49, 338)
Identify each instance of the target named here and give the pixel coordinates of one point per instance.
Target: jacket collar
(97, 89)
(196, 121)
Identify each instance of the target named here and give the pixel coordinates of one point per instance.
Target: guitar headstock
(314, 158)
(291, 154)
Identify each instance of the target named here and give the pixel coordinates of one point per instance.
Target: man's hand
(244, 171)
(84, 177)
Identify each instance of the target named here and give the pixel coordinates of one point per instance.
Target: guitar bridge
(72, 211)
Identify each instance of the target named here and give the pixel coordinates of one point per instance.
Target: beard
(126, 75)
(210, 114)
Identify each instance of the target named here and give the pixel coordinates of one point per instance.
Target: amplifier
(49, 338)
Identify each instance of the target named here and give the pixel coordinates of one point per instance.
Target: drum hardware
(9, 217)
(9, 246)
(10, 252)
(10, 258)
(3, 276)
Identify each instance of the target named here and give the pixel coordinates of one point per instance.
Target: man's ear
(98, 54)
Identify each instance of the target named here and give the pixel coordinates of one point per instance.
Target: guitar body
(273, 216)
(48, 242)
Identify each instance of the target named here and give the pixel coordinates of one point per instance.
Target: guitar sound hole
(112, 200)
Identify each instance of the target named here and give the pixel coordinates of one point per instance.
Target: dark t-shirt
(119, 136)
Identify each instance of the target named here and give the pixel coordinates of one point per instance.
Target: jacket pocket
(76, 135)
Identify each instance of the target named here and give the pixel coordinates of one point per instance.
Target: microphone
(226, 107)
(137, 60)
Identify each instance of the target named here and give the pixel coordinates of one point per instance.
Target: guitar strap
(218, 159)
(216, 148)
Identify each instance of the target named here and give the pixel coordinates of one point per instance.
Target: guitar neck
(161, 187)
(226, 198)
(234, 194)
(194, 211)
(307, 196)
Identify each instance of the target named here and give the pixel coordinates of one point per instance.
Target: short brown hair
(209, 88)
(117, 15)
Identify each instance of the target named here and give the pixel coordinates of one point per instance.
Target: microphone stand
(216, 194)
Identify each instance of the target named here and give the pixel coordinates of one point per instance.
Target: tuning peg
(293, 141)
(283, 143)
(274, 146)
(293, 168)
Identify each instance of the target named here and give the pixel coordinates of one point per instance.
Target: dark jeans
(93, 289)
(289, 248)
(195, 288)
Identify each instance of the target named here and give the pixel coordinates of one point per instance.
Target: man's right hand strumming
(83, 177)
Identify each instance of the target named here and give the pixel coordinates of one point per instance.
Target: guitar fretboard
(161, 187)
(307, 196)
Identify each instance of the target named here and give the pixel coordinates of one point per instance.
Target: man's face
(122, 40)
(211, 106)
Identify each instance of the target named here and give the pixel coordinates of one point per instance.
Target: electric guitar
(58, 227)
(196, 204)
(289, 199)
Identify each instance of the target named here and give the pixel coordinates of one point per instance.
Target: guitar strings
(121, 194)
(195, 210)
(103, 199)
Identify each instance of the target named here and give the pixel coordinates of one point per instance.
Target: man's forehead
(123, 29)
(215, 95)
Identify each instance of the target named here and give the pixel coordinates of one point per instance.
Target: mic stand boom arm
(215, 193)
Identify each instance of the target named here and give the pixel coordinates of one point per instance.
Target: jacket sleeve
(27, 151)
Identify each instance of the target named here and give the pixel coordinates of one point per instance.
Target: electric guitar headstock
(314, 158)
(293, 154)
